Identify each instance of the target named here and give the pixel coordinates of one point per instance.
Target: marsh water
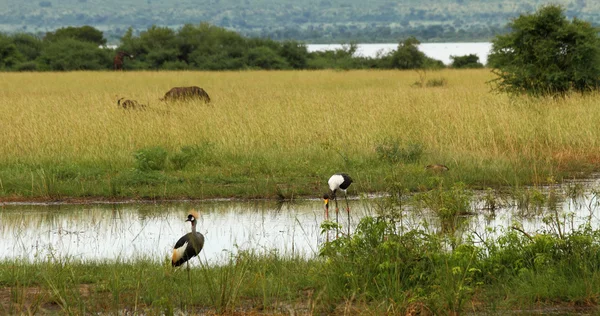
(128, 231)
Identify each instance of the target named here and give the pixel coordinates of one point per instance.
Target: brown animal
(185, 93)
(118, 60)
(437, 168)
(130, 104)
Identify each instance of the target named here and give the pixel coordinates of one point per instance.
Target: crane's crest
(194, 213)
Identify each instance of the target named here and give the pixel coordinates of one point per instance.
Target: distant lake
(439, 51)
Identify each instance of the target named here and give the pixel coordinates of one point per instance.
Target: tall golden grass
(301, 116)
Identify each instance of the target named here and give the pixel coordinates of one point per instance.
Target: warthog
(130, 104)
(183, 93)
(437, 168)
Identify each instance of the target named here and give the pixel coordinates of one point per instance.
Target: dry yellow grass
(301, 115)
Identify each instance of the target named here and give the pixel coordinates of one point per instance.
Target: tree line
(194, 47)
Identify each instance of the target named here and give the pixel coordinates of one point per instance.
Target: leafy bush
(265, 58)
(28, 45)
(9, 54)
(27, 66)
(150, 158)
(84, 33)
(71, 54)
(449, 206)
(186, 155)
(467, 61)
(408, 56)
(547, 54)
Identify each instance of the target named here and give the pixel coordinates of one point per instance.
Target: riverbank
(375, 271)
(280, 135)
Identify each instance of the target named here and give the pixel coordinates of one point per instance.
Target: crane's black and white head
(192, 217)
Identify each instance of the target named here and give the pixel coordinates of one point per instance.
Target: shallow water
(126, 231)
(148, 230)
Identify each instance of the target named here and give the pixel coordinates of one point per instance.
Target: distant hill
(312, 21)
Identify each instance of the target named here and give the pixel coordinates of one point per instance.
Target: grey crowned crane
(189, 245)
(338, 181)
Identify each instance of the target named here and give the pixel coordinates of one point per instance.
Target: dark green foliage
(194, 47)
(547, 54)
(467, 61)
(408, 56)
(295, 53)
(28, 45)
(27, 66)
(150, 158)
(381, 261)
(71, 54)
(9, 54)
(264, 57)
(84, 33)
(186, 155)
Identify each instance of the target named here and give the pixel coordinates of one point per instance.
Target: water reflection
(125, 231)
(92, 232)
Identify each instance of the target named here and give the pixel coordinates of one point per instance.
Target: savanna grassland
(280, 134)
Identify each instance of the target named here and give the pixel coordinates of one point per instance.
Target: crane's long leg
(327, 218)
(347, 210)
(337, 212)
(188, 270)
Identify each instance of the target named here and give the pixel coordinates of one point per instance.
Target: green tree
(265, 58)
(9, 54)
(295, 53)
(28, 45)
(71, 54)
(467, 61)
(546, 54)
(84, 33)
(408, 56)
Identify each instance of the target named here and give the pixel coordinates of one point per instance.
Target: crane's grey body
(189, 245)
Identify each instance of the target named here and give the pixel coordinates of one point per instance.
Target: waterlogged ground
(149, 230)
(125, 231)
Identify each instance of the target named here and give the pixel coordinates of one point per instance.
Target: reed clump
(66, 136)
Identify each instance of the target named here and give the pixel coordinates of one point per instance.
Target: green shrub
(545, 54)
(71, 54)
(27, 66)
(186, 155)
(150, 158)
(467, 61)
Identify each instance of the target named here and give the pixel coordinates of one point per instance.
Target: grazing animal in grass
(186, 93)
(188, 246)
(437, 168)
(130, 104)
(118, 60)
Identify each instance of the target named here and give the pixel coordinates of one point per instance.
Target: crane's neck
(194, 227)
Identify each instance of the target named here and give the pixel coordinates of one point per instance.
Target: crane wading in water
(339, 181)
(189, 245)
